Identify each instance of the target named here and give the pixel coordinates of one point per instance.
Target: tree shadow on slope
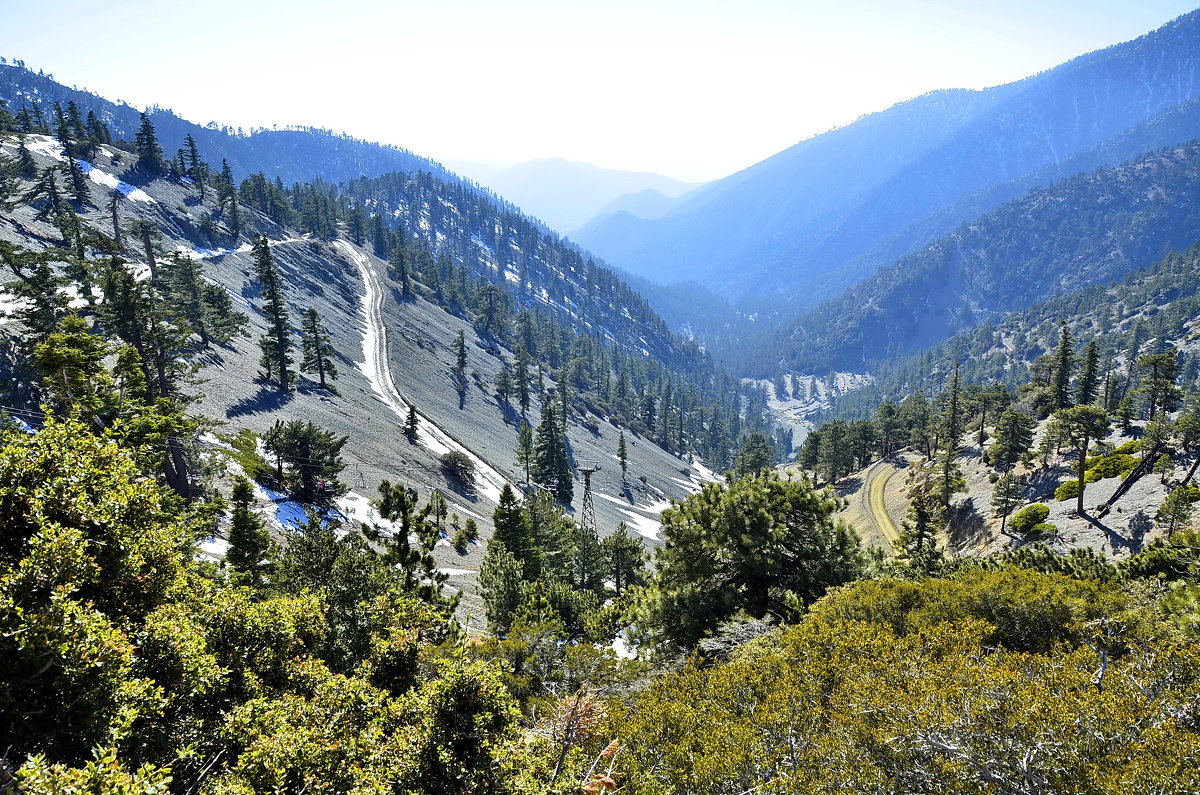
(267, 398)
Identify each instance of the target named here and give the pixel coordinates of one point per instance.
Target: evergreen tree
(501, 585)
(248, 541)
(1082, 424)
(1006, 495)
(623, 457)
(526, 450)
(195, 168)
(1064, 366)
(313, 456)
(625, 558)
(411, 423)
(918, 546)
(1014, 436)
(317, 349)
(1159, 373)
(1175, 511)
(460, 367)
(276, 344)
(587, 559)
(149, 153)
(514, 532)
(1089, 375)
(552, 466)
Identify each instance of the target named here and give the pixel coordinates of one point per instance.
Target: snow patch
(377, 370)
(216, 547)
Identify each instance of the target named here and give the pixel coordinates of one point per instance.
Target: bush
(1027, 518)
(458, 466)
(1110, 466)
(1042, 530)
(1067, 491)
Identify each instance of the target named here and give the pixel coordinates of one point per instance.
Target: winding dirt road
(377, 368)
(871, 503)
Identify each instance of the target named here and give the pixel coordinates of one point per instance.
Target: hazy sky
(693, 89)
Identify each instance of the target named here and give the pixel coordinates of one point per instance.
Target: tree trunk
(1083, 448)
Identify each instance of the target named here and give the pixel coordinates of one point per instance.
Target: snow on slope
(45, 145)
(377, 369)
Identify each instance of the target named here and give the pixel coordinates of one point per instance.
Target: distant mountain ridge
(292, 155)
(566, 194)
(767, 234)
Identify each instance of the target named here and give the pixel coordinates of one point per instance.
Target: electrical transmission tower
(588, 515)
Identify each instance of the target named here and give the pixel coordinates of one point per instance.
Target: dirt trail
(870, 505)
(377, 368)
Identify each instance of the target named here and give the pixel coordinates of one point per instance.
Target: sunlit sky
(694, 89)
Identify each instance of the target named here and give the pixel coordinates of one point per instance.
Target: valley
(871, 467)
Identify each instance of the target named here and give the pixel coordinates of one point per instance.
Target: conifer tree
(1083, 424)
(149, 153)
(1014, 436)
(526, 452)
(411, 423)
(625, 557)
(248, 541)
(513, 530)
(552, 466)
(623, 457)
(1064, 365)
(1159, 373)
(317, 349)
(501, 585)
(918, 545)
(1088, 375)
(276, 344)
(1175, 511)
(460, 367)
(1006, 495)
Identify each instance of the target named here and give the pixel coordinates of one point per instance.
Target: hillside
(393, 337)
(291, 155)
(1085, 230)
(766, 234)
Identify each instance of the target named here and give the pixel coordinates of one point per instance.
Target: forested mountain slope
(775, 227)
(1085, 230)
(292, 155)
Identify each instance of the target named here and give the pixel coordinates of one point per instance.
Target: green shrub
(1067, 491)
(1110, 466)
(1128, 448)
(245, 453)
(457, 465)
(1042, 530)
(1024, 520)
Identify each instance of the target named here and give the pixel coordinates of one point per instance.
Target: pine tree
(460, 367)
(276, 344)
(1175, 511)
(1089, 375)
(1160, 371)
(501, 585)
(149, 153)
(625, 557)
(526, 452)
(1014, 436)
(1006, 495)
(1082, 424)
(552, 466)
(918, 545)
(1064, 366)
(411, 423)
(623, 457)
(248, 541)
(317, 349)
(194, 167)
(512, 529)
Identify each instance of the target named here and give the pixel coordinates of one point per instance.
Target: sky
(694, 89)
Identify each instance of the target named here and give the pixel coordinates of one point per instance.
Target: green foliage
(960, 685)
(312, 455)
(1114, 465)
(1024, 520)
(459, 466)
(245, 453)
(760, 544)
(1067, 491)
(756, 454)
